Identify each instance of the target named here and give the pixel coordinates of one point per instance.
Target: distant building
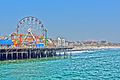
(59, 41)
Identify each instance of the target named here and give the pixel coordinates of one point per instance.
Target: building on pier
(6, 43)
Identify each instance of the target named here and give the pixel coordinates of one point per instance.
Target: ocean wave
(76, 52)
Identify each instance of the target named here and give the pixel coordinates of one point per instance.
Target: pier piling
(28, 53)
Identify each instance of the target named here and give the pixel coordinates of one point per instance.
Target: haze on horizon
(72, 19)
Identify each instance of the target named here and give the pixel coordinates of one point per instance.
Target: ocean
(86, 65)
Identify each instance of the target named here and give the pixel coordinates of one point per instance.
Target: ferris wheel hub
(29, 30)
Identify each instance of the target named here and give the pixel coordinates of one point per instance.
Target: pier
(30, 40)
(28, 53)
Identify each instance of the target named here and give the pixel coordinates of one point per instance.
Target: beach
(94, 48)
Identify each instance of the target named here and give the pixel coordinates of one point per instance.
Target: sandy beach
(94, 47)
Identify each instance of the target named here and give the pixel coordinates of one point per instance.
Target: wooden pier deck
(27, 53)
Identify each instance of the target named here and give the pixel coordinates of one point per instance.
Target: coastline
(95, 47)
(92, 48)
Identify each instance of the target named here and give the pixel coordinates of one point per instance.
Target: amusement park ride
(30, 32)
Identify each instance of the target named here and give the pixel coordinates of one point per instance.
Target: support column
(17, 56)
(30, 54)
(35, 54)
(70, 53)
(21, 55)
(11, 56)
(6, 55)
(53, 53)
(46, 54)
(64, 53)
(0, 56)
(40, 53)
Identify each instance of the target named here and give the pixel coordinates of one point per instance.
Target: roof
(6, 42)
(40, 45)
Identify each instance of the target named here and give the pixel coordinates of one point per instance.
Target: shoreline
(92, 48)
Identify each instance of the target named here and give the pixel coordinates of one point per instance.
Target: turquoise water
(97, 65)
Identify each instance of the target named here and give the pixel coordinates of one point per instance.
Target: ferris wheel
(32, 24)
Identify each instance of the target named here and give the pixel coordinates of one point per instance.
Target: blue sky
(72, 19)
